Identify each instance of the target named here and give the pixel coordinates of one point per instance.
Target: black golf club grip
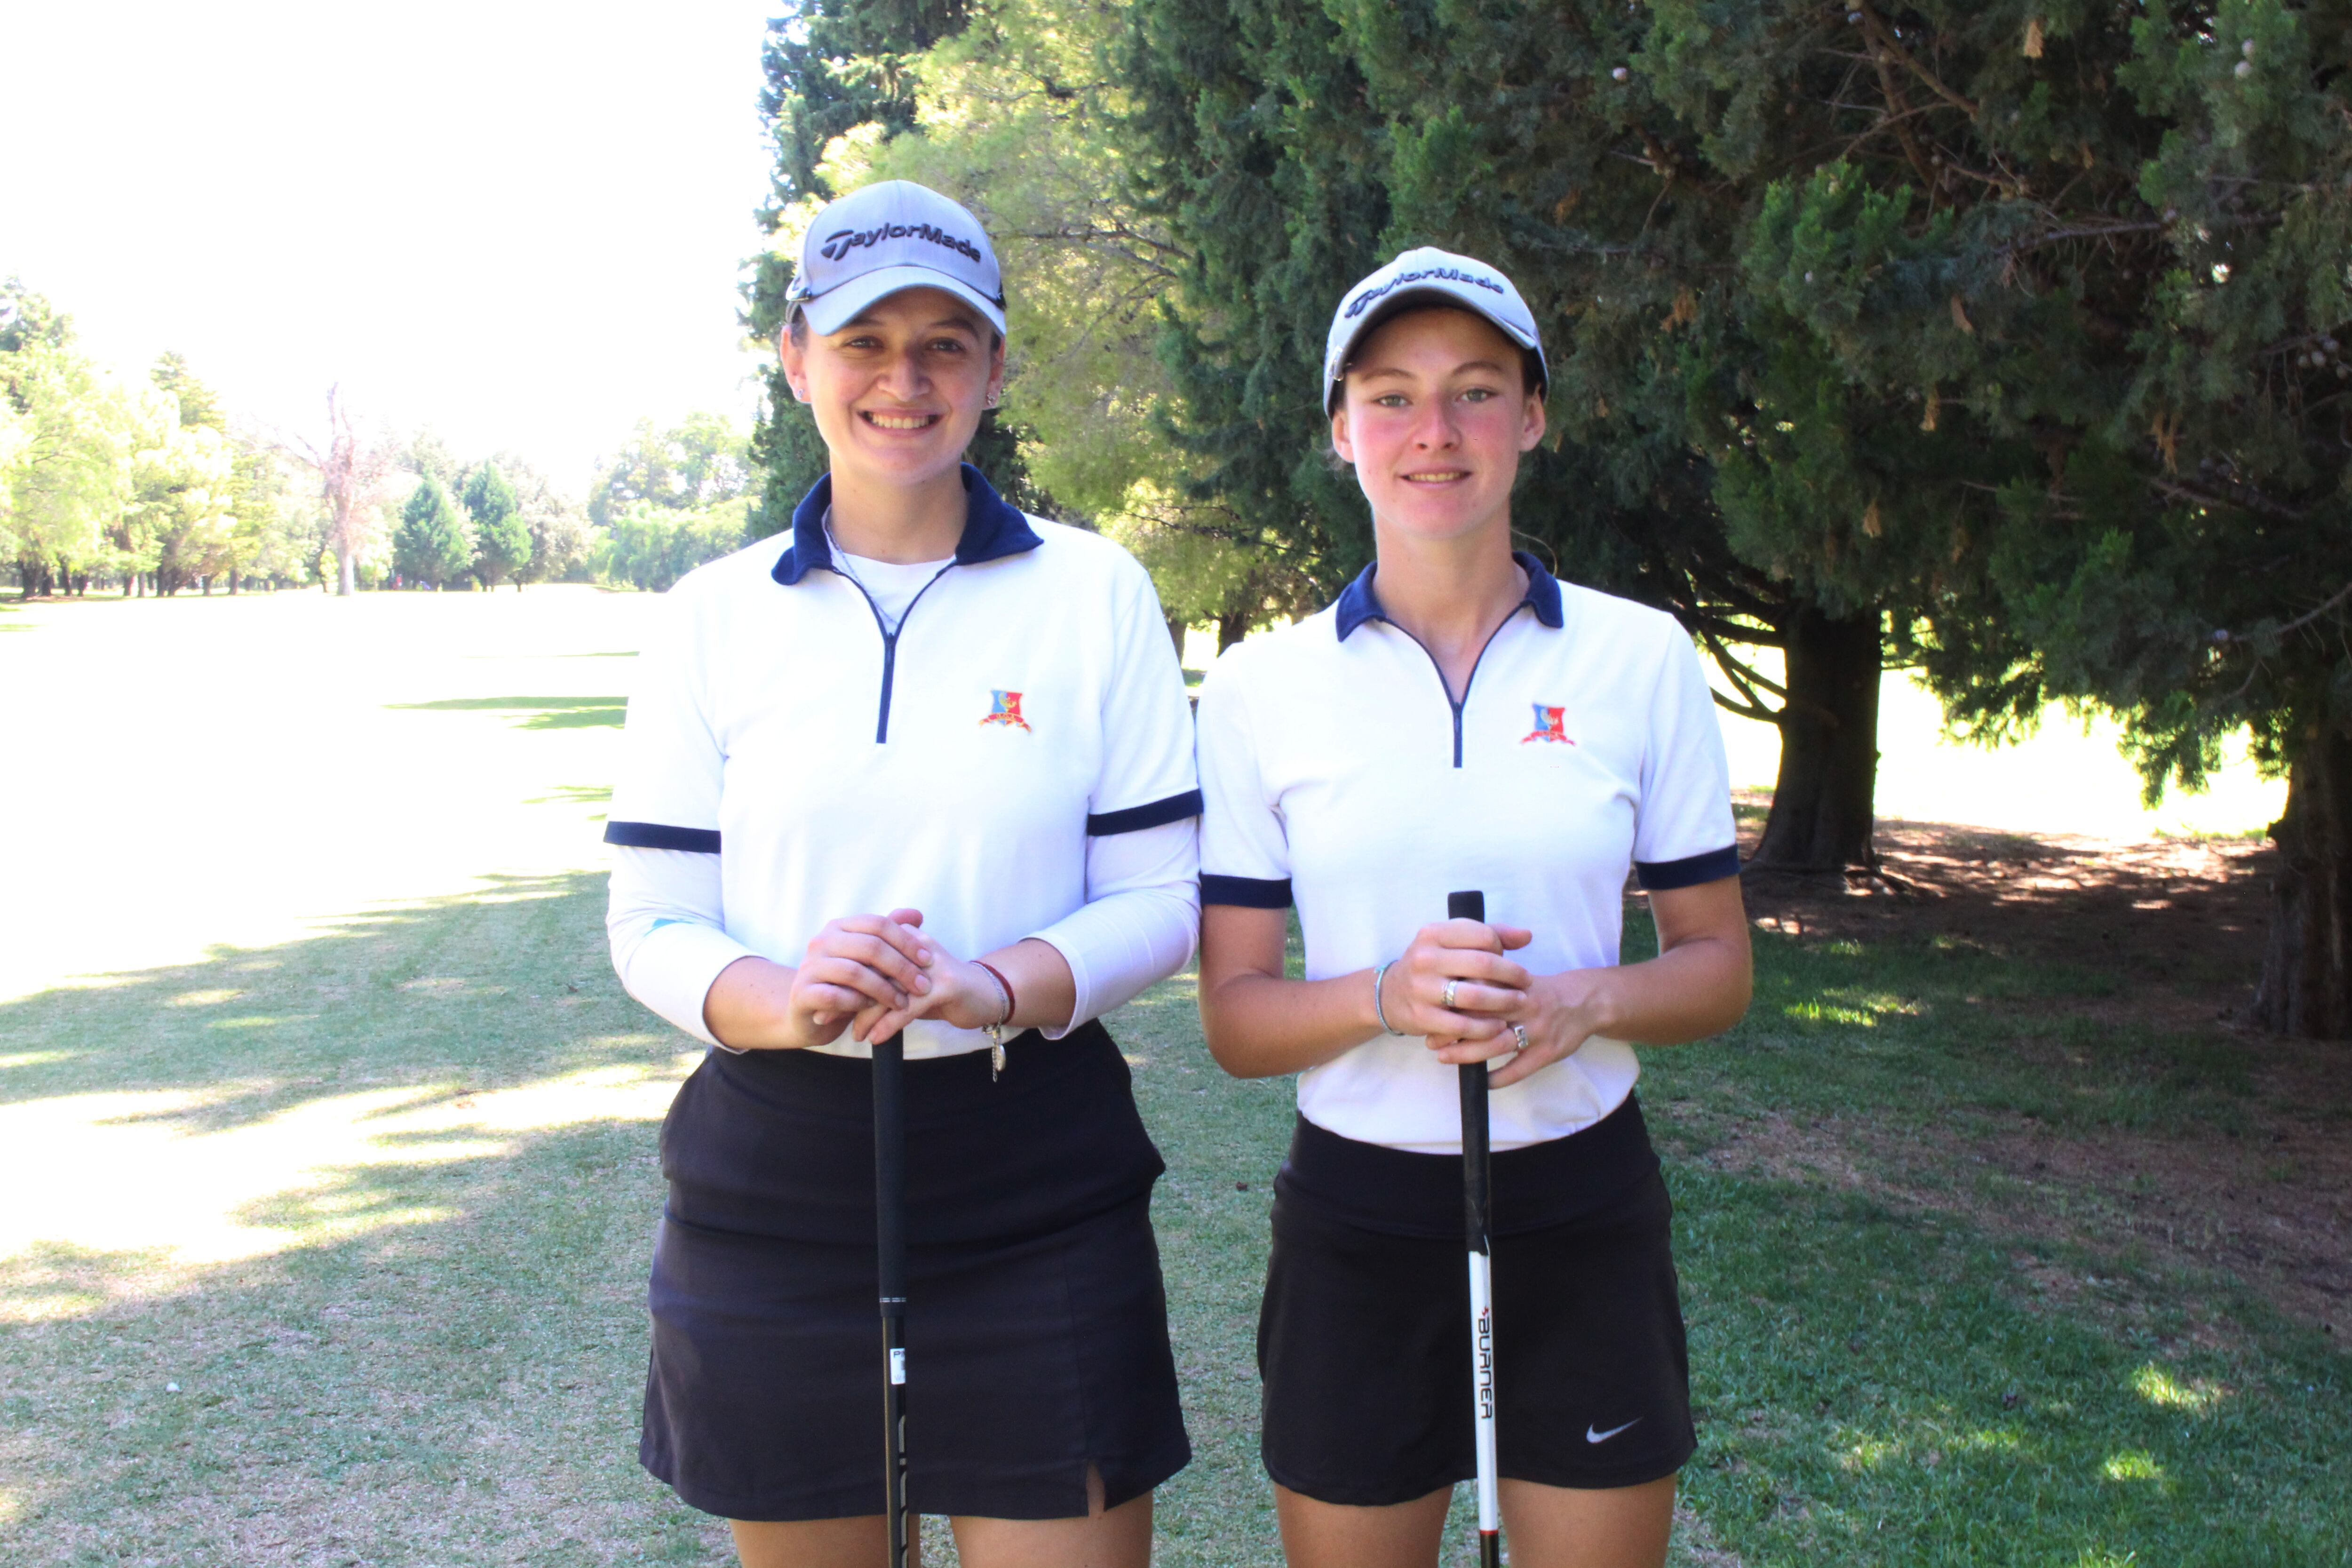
(1475, 1165)
(890, 1168)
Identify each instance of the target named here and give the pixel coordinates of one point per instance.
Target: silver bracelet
(995, 1032)
(1378, 1011)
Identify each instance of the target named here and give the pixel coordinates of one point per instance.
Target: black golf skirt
(1364, 1339)
(1036, 1327)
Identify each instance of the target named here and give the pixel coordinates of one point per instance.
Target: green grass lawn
(377, 1197)
(1901, 1378)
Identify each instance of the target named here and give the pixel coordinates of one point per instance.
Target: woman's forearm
(1699, 983)
(1259, 1025)
(748, 1006)
(1696, 990)
(1043, 991)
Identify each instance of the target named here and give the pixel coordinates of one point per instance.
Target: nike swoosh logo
(1593, 1436)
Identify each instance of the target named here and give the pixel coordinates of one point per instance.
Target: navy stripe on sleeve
(662, 836)
(1249, 892)
(1136, 818)
(1660, 876)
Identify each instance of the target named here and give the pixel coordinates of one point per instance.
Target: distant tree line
(135, 485)
(148, 486)
(665, 503)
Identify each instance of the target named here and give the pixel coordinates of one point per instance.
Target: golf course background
(328, 1142)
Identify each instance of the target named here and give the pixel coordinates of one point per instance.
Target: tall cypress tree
(431, 545)
(501, 538)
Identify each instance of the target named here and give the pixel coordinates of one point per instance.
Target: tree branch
(1880, 35)
(2255, 502)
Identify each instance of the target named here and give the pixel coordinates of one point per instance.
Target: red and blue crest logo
(1551, 724)
(1004, 707)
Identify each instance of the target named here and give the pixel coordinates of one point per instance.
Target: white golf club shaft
(1482, 1351)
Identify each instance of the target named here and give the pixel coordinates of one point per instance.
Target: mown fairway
(318, 1101)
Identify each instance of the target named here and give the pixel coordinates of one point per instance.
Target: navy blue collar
(1360, 601)
(993, 527)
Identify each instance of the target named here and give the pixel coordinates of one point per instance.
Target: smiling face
(899, 391)
(1436, 413)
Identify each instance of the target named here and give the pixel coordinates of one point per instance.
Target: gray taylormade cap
(895, 235)
(1425, 276)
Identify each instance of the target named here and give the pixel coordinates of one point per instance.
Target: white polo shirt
(1012, 756)
(1340, 775)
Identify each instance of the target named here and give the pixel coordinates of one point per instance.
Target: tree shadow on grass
(422, 1342)
(544, 713)
(480, 990)
(439, 1360)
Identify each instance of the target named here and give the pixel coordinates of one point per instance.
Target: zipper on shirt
(889, 642)
(1439, 670)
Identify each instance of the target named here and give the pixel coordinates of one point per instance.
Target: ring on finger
(1519, 1032)
(1446, 1000)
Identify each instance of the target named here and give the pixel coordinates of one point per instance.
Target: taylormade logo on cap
(886, 238)
(1387, 286)
(841, 244)
(1430, 274)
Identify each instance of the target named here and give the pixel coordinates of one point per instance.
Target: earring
(994, 398)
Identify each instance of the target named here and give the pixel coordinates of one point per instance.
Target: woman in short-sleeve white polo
(925, 764)
(1460, 719)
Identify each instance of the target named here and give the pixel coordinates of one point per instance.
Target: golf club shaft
(890, 1238)
(1478, 1181)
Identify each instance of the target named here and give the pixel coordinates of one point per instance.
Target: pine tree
(431, 545)
(502, 540)
(199, 404)
(2054, 340)
(835, 65)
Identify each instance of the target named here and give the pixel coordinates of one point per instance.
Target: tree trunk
(2306, 987)
(1176, 636)
(1231, 629)
(232, 581)
(1823, 801)
(347, 580)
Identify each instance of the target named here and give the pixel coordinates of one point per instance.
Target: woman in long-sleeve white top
(924, 766)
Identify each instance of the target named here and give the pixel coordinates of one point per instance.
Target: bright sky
(519, 224)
